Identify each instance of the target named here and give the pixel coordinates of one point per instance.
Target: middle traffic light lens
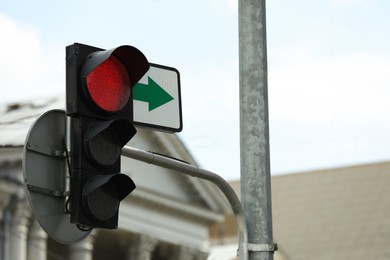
(105, 147)
(109, 85)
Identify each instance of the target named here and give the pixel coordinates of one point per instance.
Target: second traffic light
(99, 102)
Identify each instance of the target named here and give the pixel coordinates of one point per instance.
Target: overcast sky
(328, 61)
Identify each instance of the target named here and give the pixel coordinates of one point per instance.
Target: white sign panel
(157, 99)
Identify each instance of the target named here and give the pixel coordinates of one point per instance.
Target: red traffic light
(109, 75)
(100, 106)
(109, 85)
(99, 82)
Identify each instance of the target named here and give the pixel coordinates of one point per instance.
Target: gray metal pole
(254, 129)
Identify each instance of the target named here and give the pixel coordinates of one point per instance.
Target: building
(168, 216)
(332, 214)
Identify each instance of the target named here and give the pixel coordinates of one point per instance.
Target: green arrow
(151, 93)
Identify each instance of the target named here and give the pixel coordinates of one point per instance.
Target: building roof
(341, 213)
(16, 119)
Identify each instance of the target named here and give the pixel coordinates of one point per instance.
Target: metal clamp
(44, 191)
(45, 150)
(262, 247)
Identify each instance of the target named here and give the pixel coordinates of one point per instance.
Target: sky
(328, 70)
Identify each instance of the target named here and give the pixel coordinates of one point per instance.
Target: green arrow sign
(152, 93)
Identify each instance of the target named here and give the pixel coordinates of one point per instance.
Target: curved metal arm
(194, 171)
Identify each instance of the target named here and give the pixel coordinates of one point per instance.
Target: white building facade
(168, 216)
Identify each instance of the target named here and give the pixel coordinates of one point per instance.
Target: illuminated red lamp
(99, 81)
(109, 85)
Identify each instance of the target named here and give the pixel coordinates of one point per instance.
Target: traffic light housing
(100, 108)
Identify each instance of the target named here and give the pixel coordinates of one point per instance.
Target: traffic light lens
(103, 203)
(109, 85)
(103, 193)
(105, 147)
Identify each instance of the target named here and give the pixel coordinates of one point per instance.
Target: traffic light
(100, 109)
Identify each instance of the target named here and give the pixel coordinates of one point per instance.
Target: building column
(187, 253)
(19, 231)
(37, 242)
(2, 235)
(201, 255)
(83, 250)
(141, 247)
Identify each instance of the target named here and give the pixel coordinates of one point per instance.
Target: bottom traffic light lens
(103, 202)
(102, 195)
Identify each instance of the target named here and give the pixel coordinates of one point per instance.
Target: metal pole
(254, 129)
(194, 171)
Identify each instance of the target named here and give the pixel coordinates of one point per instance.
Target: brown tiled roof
(341, 213)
